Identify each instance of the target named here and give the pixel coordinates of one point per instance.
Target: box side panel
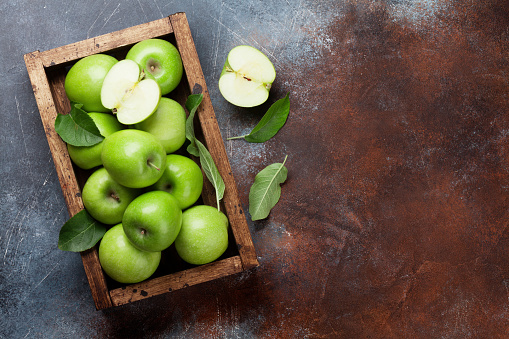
(213, 139)
(171, 282)
(48, 94)
(106, 42)
(96, 279)
(48, 111)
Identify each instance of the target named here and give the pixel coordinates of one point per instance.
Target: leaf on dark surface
(266, 190)
(272, 121)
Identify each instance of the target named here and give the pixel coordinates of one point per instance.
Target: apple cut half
(129, 94)
(247, 77)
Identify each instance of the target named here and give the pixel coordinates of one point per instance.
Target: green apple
(128, 93)
(247, 77)
(88, 157)
(203, 236)
(161, 59)
(105, 199)
(133, 158)
(182, 178)
(152, 221)
(84, 80)
(167, 124)
(122, 261)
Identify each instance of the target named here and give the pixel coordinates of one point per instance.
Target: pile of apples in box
(125, 131)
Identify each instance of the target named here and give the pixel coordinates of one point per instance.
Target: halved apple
(128, 93)
(247, 77)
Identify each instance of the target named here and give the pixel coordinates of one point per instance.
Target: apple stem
(238, 137)
(150, 163)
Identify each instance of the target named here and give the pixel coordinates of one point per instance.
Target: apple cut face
(247, 77)
(130, 95)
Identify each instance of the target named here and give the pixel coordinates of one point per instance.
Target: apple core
(247, 77)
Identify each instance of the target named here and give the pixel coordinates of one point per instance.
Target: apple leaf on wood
(77, 128)
(192, 103)
(80, 233)
(211, 171)
(197, 149)
(266, 190)
(272, 121)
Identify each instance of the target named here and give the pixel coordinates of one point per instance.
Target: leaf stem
(286, 157)
(238, 137)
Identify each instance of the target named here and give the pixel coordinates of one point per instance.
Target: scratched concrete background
(393, 220)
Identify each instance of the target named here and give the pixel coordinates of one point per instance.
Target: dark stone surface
(393, 220)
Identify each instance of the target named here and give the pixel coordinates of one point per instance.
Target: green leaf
(77, 128)
(266, 190)
(271, 122)
(211, 171)
(80, 233)
(197, 149)
(192, 103)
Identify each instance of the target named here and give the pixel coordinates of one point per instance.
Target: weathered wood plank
(175, 281)
(106, 42)
(47, 93)
(213, 139)
(58, 148)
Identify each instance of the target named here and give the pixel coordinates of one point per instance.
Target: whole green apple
(133, 158)
(161, 59)
(203, 236)
(182, 178)
(167, 124)
(105, 199)
(84, 80)
(152, 221)
(88, 157)
(122, 261)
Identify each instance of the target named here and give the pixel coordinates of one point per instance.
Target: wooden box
(47, 71)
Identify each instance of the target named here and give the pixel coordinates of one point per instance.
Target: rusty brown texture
(397, 215)
(393, 220)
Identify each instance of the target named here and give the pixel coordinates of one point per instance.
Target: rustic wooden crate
(47, 72)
